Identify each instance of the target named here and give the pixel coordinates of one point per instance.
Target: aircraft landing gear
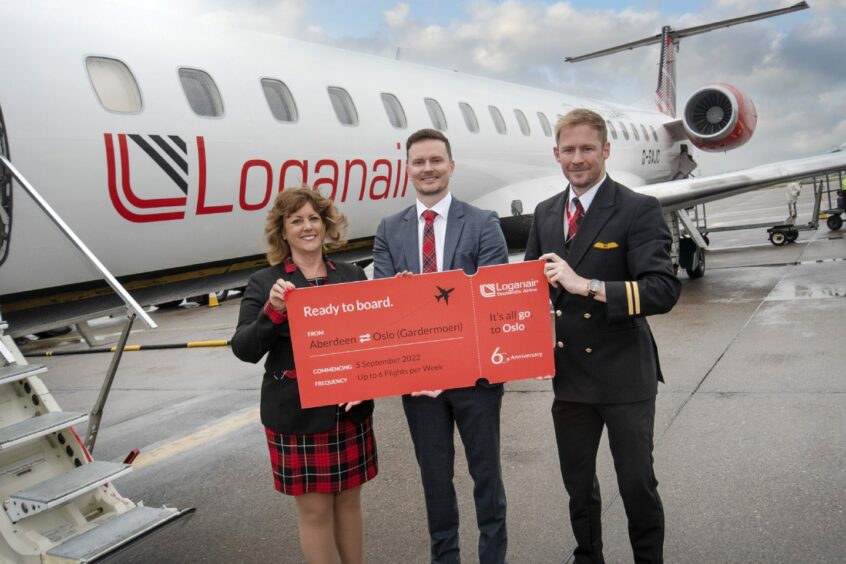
(692, 258)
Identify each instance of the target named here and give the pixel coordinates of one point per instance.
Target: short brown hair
(424, 134)
(289, 201)
(582, 116)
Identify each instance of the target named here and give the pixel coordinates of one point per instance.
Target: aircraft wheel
(792, 235)
(778, 238)
(697, 269)
(834, 222)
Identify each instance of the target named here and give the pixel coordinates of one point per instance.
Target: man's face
(429, 167)
(582, 156)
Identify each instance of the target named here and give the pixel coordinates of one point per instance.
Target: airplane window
(436, 114)
(499, 122)
(654, 135)
(645, 134)
(469, 117)
(523, 122)
(114, 84)
(634, 132)
(547, 130)
(611, 129)
(624, 130)
(202, 93)
(343, 105)
(279, 98)
(396, 115)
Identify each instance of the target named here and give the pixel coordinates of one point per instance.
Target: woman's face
(304, 230)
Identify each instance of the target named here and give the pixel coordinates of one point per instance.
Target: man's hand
(349, 405)
(278, 292)
(557, 272)
(427, 393)
(403, 274)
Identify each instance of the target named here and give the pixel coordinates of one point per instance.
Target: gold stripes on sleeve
(633, 298)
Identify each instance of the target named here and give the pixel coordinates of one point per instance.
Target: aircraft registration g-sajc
(162, 146)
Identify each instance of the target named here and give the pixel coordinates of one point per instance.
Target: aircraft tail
(669, 39)
(665, 94)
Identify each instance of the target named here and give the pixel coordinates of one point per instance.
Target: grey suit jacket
(473, 239)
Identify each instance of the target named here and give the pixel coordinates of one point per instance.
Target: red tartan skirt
(340, 459)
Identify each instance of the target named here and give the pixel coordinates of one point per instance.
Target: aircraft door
(5, 195)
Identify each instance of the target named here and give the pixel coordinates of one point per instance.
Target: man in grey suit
(443, 233)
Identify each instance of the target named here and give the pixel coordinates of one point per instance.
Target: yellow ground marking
(198, 438)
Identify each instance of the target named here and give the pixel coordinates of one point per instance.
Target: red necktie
(430, 258)
(575, 220)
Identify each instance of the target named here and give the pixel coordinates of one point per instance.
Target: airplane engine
(719, 117)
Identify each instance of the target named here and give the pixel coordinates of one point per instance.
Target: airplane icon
(443, 294)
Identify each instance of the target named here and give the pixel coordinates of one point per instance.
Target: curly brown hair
(291, 200)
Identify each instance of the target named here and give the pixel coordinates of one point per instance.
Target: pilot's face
(582, 156)
(430, 167)
(304, 231)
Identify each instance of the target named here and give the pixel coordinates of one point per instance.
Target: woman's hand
(278, 293)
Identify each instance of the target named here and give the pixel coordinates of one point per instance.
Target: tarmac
(750, 451)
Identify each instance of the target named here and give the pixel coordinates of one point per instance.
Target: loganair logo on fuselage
(166, 177)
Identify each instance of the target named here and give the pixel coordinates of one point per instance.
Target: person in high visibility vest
(841, 199)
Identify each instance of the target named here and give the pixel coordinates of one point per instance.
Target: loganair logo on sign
(155, 178)
(508, 288)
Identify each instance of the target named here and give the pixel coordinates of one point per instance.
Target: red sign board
(364, 340)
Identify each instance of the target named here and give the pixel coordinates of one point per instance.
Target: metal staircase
(59, 505)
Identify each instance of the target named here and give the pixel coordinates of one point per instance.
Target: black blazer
(608, 353)
(256, 335)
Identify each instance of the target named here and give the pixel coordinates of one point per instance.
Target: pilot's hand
(349, 405)
(278, 292)
(426, 393)
(557, 272)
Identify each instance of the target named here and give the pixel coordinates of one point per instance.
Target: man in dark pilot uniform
(608, 264)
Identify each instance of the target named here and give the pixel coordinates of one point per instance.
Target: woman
(327, 489)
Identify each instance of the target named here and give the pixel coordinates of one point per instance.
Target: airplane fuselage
(163, 187)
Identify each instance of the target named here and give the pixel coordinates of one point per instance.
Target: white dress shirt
(440, 223)
(585, 199)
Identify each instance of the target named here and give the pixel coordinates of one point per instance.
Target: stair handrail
(77, 242)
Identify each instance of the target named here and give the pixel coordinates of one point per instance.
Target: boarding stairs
(59, 506)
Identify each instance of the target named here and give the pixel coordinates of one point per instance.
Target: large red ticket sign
(444, 330)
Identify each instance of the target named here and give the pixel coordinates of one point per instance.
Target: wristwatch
(594, 287)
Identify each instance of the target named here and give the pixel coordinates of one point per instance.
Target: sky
(793, 67)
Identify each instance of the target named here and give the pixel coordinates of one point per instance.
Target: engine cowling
(719, 117)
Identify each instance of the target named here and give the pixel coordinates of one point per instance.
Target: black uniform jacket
(256, 335)
(605, 352)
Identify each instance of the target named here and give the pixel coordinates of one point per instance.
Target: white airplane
(163, 145)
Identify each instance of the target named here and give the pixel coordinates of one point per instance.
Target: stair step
(17, 372)
(115, 534)
(38, 426)
(62, 488)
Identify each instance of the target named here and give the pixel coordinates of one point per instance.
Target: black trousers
(431, 422)
(578, 429)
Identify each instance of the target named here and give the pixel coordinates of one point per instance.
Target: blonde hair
(582, 116)
(289, 201)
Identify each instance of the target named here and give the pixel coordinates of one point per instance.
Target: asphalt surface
(750, 426)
